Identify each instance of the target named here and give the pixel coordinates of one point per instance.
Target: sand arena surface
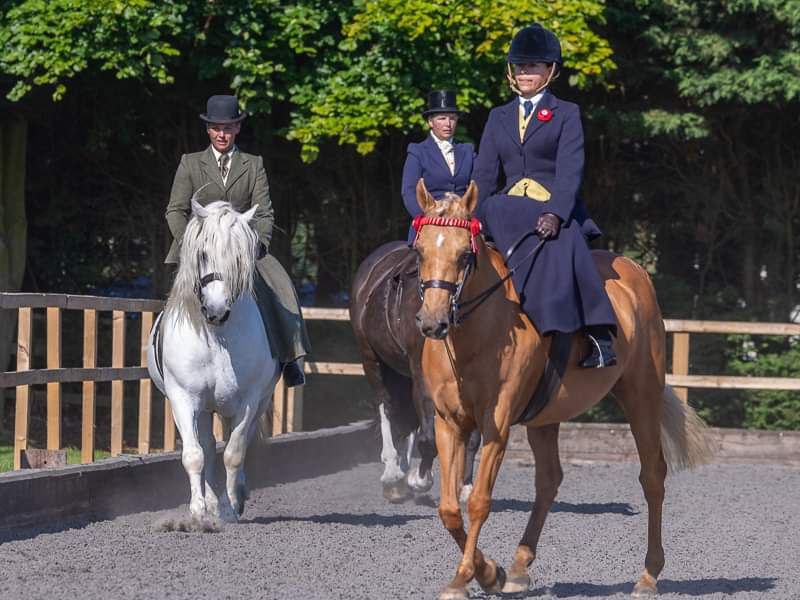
(730, 532)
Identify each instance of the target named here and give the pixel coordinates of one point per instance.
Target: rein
(474, 227)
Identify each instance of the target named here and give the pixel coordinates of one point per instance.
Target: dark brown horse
(482, 370)
(384, 302)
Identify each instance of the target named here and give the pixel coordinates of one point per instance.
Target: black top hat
(222, 109)
(441, 101)
(535, 44)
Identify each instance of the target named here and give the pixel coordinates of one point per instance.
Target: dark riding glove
(548, 226)
(261, 251)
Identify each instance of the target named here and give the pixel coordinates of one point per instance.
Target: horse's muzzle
(214, 319)
(433, 328)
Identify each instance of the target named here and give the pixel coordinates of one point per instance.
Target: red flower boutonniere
(544, 115)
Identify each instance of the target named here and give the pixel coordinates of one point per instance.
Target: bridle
(203, 282)
(474, 227)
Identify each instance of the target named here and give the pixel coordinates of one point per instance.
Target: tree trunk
(13, 228)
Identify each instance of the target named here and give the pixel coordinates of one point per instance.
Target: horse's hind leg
(642, 405)
(544, 443)
(473, 444)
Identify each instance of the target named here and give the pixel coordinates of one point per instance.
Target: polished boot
(601, 350)
(293, 374)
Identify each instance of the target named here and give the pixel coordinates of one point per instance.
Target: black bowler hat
(222, 109)
(535, 44)
(441, 101)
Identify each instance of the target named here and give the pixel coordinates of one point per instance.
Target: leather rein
(473, 225)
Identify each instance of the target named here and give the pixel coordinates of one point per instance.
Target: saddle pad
(550, 381)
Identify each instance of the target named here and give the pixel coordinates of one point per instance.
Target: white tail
(685, 437)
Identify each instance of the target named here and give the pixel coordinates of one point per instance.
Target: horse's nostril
(212, 318)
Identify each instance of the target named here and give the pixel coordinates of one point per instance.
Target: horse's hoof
(451, 593)
(499, 580)
(397, 492)
(645, 588)
(517, 584)
(418, 484)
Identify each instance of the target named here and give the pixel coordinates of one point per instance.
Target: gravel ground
(730, 532)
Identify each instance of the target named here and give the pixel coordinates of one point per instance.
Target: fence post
(294, 405)
(169, 427)
(680, 361)
(219, 428)
(278, 407)
(117, 387)
(145, 388)
(89, 362)
(53, 389)
(22, 410)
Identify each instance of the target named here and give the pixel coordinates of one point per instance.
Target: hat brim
(438, 111)
(238, 119)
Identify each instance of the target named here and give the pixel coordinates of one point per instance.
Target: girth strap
(554, 367)
(158, 346)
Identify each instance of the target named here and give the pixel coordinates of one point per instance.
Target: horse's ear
(247, 216)
(424, 199)
(198, 208)
(471, 197)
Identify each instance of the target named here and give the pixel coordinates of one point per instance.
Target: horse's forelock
(228, 243)
(451, 206)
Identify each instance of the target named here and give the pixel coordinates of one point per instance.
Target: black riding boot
(601, 352)
(293, 374)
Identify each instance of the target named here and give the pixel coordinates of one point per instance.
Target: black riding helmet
(535, 44)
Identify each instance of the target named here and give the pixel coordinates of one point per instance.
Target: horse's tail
(685, 438)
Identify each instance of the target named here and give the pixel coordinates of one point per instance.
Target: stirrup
(601, 355)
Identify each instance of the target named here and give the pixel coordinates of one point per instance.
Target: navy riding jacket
(425, 160)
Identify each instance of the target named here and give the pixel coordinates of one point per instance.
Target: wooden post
(145, 388)
(22, 411)
(117, 387)
(169, 427)
(294, 406)
(53, 389)
(219, 428)
(680, 360)
(278, 407)
(89, 362)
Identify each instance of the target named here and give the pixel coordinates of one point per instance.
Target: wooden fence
(288, 403)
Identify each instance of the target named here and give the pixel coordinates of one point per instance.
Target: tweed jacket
(246, 186)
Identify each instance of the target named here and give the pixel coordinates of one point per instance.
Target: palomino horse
(385, 299)
(482, 371)
(209, 352)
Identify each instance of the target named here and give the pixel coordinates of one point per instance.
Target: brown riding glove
(548, 226)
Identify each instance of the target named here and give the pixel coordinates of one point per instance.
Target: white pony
(209, 352)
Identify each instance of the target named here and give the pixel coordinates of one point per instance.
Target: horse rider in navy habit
(536, 141)
(226, 173)
(444, 165)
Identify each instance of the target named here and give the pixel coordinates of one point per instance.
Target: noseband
(204, 281)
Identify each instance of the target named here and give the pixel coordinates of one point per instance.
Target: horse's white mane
(228, 242)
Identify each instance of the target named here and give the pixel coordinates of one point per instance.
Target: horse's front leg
(450, 444)
(241, 425)
(393, 477)
(489, 575)
(186, 419)
(205, 432)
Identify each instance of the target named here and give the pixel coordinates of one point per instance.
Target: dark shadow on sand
(584, 508)
(689, 587)
(366, 520)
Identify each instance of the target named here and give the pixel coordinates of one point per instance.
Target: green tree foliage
(768, 357)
